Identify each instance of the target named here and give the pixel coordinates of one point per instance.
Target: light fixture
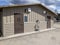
(44, 12)
(28, 10)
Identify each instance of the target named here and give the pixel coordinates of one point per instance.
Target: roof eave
(28, 5)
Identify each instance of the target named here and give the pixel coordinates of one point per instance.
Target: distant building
(58, 18)
(16, 19)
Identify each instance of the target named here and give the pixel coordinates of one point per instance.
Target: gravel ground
(57, 25)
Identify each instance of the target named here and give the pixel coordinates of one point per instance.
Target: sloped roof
(15, 5)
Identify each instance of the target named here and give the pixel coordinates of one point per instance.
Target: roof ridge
(29, 4)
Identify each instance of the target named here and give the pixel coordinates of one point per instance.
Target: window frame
(25, 18)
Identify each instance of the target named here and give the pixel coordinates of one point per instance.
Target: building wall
(36, 14)
(8, 21)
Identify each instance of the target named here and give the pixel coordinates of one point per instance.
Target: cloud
(57, 3)
(52, 7)
(51, 4)
(57, 0)
(58, 10)
(5, 2)
(51, 1)
(33, 1)
(24, 1)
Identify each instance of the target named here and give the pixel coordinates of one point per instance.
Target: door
(18, 23)
(48, 21)
(1, 26)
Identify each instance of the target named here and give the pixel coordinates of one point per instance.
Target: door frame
(1, 22)
(14, 21)
(48, 21)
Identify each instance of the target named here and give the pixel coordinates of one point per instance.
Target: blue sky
(4, 2)
(52, 4)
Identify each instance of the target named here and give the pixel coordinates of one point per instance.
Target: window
(25, 18)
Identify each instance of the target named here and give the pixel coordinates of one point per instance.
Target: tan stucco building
(22, 18)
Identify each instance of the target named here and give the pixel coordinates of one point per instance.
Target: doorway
(48, 21)
(1, 30)
(18, 23)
